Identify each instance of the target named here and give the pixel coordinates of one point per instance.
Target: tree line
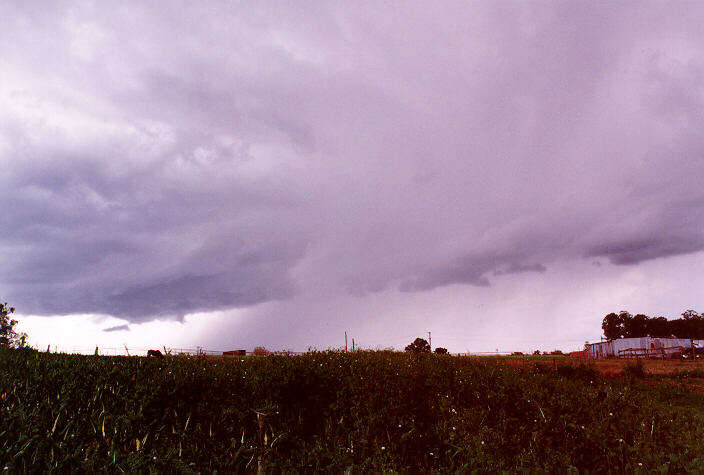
(420, 345)
(625, 325)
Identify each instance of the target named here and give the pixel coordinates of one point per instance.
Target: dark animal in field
(154, 354)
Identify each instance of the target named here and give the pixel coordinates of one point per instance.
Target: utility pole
(430, 342)
(345, 341)
(352, 344)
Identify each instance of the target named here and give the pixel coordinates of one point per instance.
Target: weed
(635, 370)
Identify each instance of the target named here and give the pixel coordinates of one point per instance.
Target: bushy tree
(624, 325)
(440, 350)
(694, 324)
(8, 336)
(419, 345)
(690, 314)
(635, 327)
(612, 324)
(658, 327)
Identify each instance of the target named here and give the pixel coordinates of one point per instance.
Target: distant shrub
(536, 352)
(517, 353)
(260, 351)
(556, 352)
(440, 350)
(419, 345)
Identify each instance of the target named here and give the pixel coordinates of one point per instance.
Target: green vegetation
(419, 345)
(334, 411)
(625, 325)
(8, 336)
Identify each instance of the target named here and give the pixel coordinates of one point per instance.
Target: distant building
(645, 347)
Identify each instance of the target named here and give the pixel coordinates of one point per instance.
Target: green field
(337, 412)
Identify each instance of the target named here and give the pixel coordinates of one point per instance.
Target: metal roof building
(645, 347)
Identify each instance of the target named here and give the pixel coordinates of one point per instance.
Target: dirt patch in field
(654, 367)
(614, 367)
(696, 385)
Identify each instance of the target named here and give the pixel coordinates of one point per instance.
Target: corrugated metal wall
(641, 347)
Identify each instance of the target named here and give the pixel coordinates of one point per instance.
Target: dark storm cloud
(521, 268)
(160, 160)
(633, 252)
(463, 273)
(470, 271)
(117, 328)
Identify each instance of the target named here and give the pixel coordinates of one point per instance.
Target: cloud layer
(164, 160)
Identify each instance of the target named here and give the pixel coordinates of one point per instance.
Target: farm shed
(645, 347)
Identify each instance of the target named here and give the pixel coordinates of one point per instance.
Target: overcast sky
(231, 174)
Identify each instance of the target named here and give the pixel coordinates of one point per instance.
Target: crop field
(612, 366)
(340, 412)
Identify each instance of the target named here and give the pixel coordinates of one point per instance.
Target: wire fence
(199, 351)
(131, 351)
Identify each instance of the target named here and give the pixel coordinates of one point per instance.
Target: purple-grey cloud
(117, 328)
(521, 268)
(161, 160)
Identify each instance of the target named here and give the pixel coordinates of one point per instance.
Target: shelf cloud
(166, 159)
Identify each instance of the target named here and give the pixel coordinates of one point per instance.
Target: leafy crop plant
(335, 412)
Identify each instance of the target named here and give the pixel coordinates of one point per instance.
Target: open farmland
(334, 411)
(611, 366)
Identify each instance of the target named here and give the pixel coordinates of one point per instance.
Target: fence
(662, 352)
(130, 351)
(199, 351)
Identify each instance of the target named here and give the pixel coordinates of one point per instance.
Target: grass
(334, 412)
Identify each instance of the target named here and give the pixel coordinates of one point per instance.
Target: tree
(612, 324)
(624, 325)
(440, 350)
(636, 327)
(687, 314)
(419, 345)
(658, 327)
(626, 322)
(8, 336)
(694, 324)
(678, 327)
